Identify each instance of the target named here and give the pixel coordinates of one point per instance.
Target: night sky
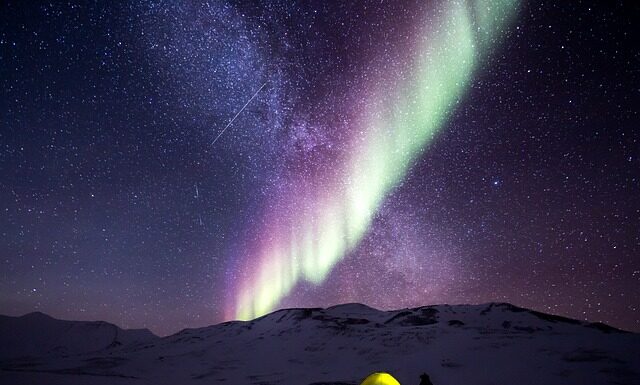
(170, 164)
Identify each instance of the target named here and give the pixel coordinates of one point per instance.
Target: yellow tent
(380, 379)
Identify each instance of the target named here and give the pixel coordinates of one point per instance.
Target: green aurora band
(399, 124)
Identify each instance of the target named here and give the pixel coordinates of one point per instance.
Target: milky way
(172, 164)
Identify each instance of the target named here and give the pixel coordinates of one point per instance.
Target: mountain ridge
(38, 334)
(554, 318)
(515, 308)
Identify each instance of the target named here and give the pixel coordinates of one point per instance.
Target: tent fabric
(380, 379)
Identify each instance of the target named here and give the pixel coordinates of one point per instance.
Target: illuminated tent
(380, 379)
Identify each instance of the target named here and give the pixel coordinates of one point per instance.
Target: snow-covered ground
(462, 344)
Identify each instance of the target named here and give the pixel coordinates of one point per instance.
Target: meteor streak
(238, 113)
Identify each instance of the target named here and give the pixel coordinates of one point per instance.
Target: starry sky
(169, 164)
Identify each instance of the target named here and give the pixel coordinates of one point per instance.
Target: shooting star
(242, 109)
(197, 195)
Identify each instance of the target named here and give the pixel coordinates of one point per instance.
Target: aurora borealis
(171, 164)
(319, 221)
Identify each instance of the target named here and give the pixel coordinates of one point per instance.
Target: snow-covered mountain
(39, 335)
(462, 344)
